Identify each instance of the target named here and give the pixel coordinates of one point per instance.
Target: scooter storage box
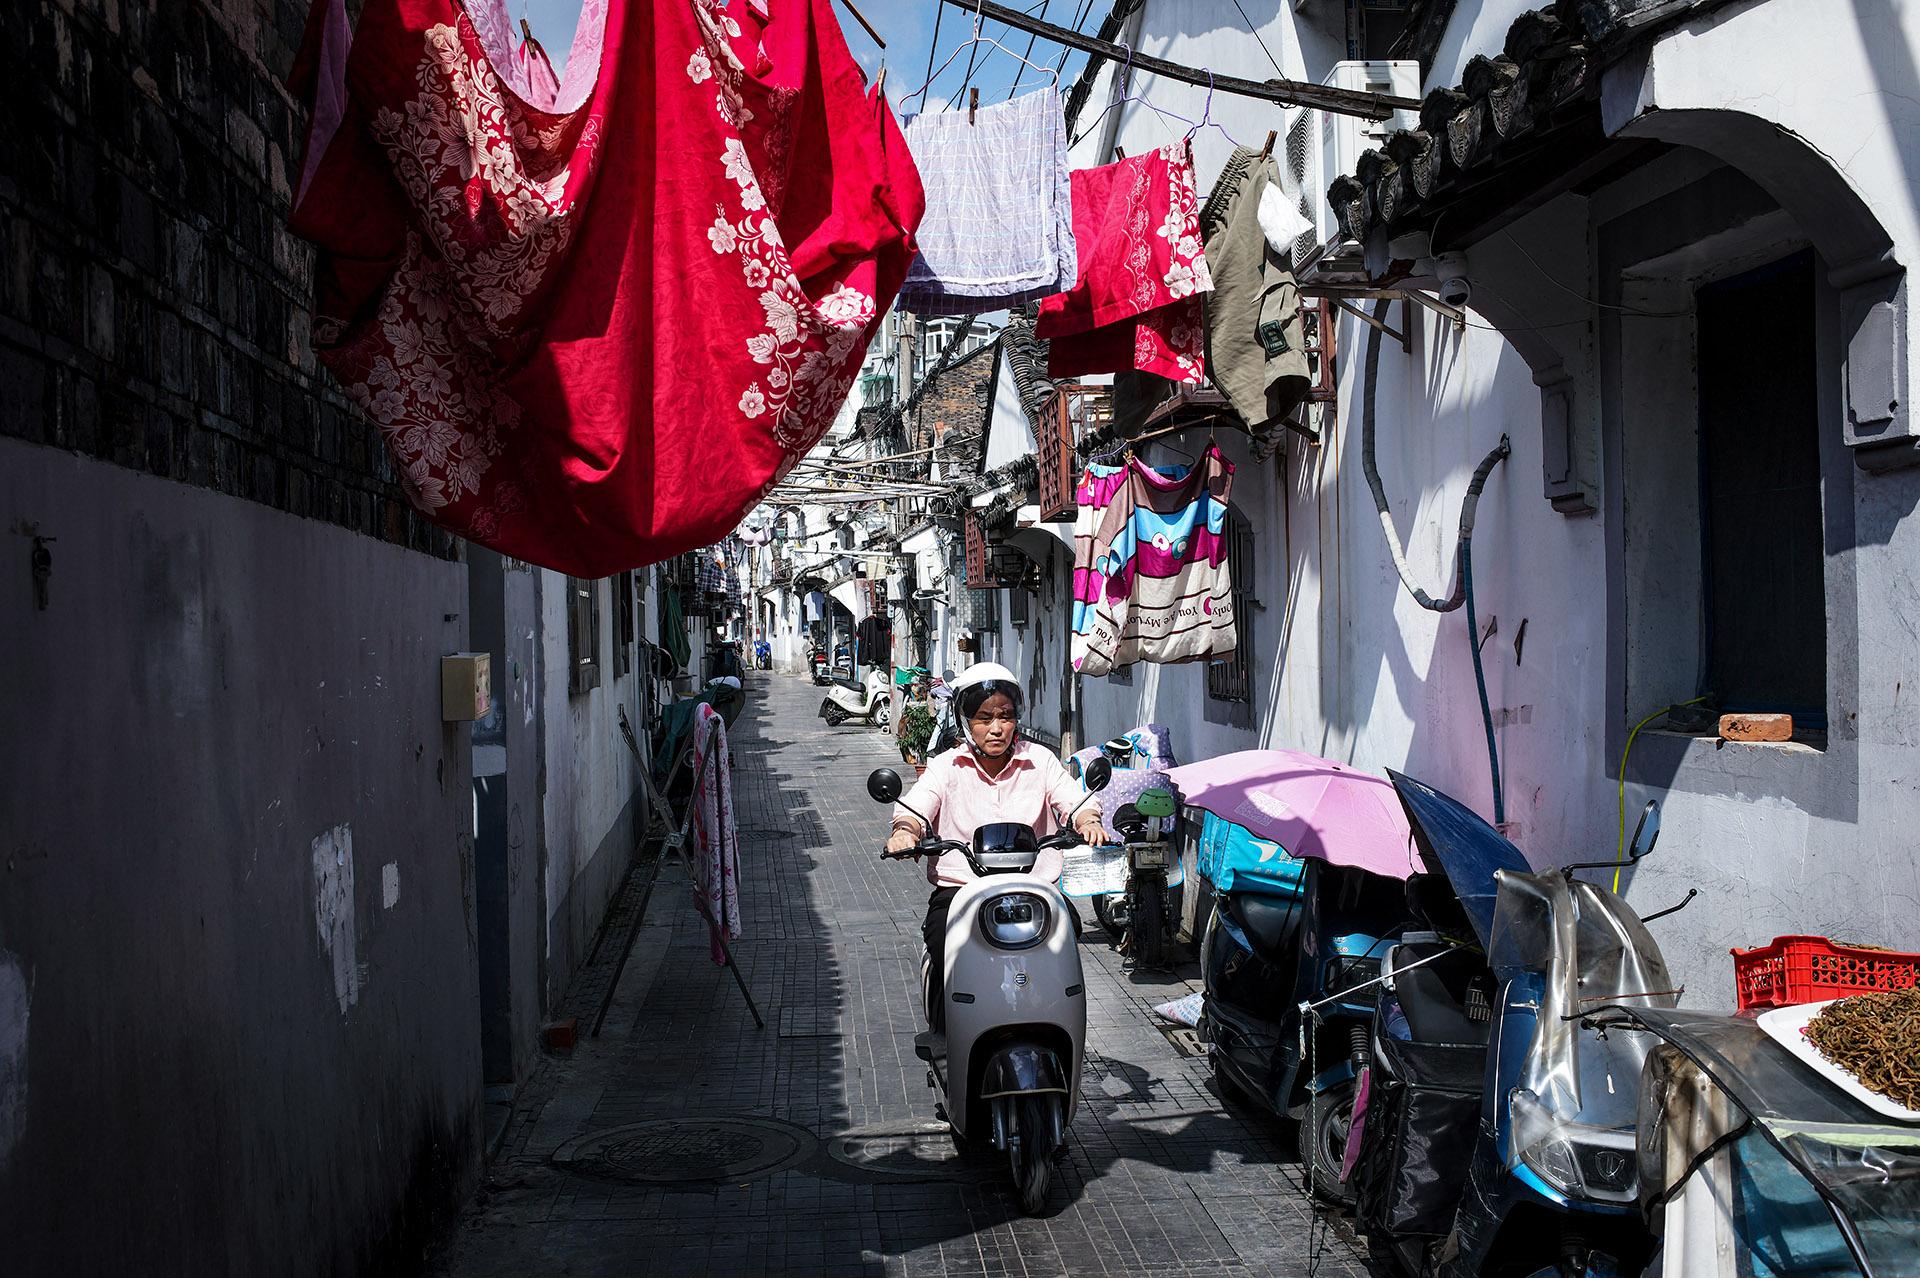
(1234, 860)
(1422, 1120)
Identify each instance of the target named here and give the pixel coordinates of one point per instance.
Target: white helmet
(980, 681)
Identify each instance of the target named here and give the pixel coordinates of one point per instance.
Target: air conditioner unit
(926, 573)
(1321, 146)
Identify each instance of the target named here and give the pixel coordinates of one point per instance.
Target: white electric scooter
(869, 701)
(1007, 1067)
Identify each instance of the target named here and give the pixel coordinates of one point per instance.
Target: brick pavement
(1162, 1178)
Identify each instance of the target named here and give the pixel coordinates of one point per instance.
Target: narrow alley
(684, 1141)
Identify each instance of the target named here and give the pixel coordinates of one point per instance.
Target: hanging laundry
(596, 392)
(999, 226)
(1137, 303)
(1256, 349)
(1151, 580)
(719, 838)
(673, 627)
(530, 57)
(873, 639)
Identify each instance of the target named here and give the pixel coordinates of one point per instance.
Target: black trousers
(934, 933)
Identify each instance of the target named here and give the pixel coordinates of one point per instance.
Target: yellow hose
(1620, 852)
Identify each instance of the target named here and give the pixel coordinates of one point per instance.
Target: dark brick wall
(959, 398)
(153, 306)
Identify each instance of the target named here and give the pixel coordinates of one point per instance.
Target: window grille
(583, 634)
(623, 624)
(1230, 678)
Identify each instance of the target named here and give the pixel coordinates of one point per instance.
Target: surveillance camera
(1455, 287)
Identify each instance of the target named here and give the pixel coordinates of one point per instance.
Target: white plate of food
(1787, 1026)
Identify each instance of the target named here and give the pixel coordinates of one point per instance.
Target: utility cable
(1463, 548)
(1620, 852)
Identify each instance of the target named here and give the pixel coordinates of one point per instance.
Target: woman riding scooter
(991, 776)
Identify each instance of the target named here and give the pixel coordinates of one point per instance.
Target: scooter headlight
(1014, 920)
(1577, 1159)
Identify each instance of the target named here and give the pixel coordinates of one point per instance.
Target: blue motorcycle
(1289, 961)
(1499, 1134)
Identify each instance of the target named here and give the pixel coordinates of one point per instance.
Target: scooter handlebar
(926, 847)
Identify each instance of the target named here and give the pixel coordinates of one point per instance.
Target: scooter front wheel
(1031, 1156)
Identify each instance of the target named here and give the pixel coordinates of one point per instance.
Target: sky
(908, 28)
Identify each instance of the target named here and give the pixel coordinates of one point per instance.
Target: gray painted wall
(236, 886)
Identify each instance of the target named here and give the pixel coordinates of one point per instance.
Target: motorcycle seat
(1438, 998)
(1271, 923)
(849, 685)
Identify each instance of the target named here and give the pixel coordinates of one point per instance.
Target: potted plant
(916, 729)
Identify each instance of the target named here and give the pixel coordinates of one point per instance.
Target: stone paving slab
(1162, 1177)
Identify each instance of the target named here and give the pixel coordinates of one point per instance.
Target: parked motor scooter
(869, 701)
(1139, 760)
(1545, 1182)
(1146, 825)
(763, 655)
(1287, 932)
(1006, 1066)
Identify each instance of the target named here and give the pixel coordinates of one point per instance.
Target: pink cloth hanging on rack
(1138, 301)
(596, 323)
(536, 68)
(718, 887)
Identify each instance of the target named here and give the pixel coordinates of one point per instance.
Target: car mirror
(883, 786)
(1099, 772)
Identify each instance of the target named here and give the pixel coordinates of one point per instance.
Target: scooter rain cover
(1454, 841)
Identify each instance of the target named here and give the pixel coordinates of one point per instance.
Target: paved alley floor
(824, 1121)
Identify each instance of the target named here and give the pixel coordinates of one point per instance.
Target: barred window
(623, 624)
(583, 634)
(1230, 678)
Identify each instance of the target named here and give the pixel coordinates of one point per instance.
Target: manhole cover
(902, 1151)
(750, 835)
(691, 1149)
(1184, 1040)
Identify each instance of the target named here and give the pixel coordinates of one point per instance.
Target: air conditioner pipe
(1463, 546)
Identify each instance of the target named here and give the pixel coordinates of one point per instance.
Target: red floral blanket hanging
(595, 322)
(1138, 301)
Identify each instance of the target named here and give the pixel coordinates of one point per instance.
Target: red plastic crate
(1811, 969)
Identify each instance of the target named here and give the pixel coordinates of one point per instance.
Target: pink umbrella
(1310, 806)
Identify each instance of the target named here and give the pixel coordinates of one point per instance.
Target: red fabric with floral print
(1137, 303)
(594, 322)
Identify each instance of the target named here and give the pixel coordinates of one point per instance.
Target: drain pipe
(1463, 547)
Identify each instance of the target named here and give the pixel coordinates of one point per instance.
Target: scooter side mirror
(1647, 833)
(1098, 773)
(883, 786)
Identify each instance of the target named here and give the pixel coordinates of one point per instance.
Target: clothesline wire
(932, 48)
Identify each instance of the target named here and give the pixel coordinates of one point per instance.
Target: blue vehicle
(1288, 931)
(1499, 1122)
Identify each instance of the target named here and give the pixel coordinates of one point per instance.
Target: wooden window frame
(583, 634)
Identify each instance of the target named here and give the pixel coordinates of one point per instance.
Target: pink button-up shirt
(959, 797)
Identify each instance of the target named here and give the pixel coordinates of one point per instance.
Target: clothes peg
(1267, 149)
(973, 105)
(1119, 153)
(526, 32)
(880, 84)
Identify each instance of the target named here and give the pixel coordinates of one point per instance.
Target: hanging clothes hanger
(979, 37)
(1206, 120)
